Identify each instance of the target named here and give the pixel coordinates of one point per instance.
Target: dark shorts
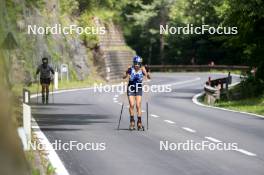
(45, 81)
(134, 89)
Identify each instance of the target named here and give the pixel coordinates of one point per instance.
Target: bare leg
(139, 111)
(131, 100)
(43, 93)
(138, 105)
(47, 93)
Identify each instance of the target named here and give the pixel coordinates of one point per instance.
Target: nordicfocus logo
(66, 30)
(68, 146)
(198, 30)
(122, 87)
(190, 145)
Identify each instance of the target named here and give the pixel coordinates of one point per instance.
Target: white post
(56, 80)
(27, 123)
(26, 97)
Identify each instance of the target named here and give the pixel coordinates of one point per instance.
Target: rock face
(112, 55)
(79, 58)
(59, 48)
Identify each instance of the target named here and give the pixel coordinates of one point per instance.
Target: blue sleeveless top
(135, 77)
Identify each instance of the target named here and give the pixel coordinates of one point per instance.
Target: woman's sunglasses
(137, 63)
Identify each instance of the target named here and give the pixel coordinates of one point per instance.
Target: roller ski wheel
(132, 126)
(132, 129)
(140, 127)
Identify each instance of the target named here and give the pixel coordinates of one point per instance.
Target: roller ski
(132, 124)
(140, 127)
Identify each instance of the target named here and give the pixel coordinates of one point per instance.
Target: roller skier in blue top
(136, 74)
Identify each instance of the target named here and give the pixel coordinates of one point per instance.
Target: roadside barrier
(214, 89)
(24, 132)
(26, 96)
(199, 68)
(27, 124)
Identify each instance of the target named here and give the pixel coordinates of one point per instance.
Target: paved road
(88, 117)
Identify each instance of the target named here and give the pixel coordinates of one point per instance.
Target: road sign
(64, 71)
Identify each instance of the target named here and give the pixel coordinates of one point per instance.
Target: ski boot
(132, 123)
(140, 127)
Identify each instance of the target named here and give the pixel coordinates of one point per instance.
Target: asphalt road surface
(87, 117)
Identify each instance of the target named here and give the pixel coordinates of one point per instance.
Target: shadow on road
(38, 105)
(44, 120)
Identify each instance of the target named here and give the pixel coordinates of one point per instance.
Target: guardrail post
(27, 124)
(229, 78)
(26, 96)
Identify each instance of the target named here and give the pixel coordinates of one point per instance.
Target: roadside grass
(38, 163)
(252, 105)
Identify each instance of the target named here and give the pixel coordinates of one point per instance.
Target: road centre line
(213, 139)
(246, 152)
(169, 121)
(155, 116)
(189, 129)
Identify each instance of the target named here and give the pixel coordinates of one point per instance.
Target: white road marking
(155, 116)
(115, 101)
(114, 98)
(116, 95)
(143, 111)
(246, 152)
(189, 129)
(34, 127)
(120, 103)
(169, 121)
(213, 139)
(52, 155)
(184, 82)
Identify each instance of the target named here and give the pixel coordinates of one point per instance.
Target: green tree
(249, 18)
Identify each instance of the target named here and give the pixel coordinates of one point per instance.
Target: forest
(141, 21)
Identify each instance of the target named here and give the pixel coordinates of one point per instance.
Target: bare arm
(126, 74)
(145, 72)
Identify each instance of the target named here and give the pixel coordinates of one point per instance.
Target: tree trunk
(162, 39)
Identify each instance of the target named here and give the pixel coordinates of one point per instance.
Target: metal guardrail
(196, 67)
(214, 88)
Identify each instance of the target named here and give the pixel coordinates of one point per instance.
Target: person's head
(137, 62)
(45, 61)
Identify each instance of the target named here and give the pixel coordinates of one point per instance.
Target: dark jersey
(45, 71)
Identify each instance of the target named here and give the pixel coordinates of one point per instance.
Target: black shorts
(134, 89)
(45, 81)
